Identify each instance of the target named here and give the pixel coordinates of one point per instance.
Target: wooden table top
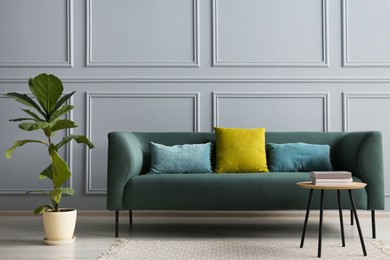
(336, 186)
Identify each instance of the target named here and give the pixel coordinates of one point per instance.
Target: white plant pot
(59, 226)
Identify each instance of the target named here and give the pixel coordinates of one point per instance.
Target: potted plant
(48, 115)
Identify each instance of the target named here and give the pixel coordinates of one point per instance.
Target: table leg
(341, 219)
(357, 223)
(306, 218)
(351, 217)
(321, 219)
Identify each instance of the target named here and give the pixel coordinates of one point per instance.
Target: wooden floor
(21, 233)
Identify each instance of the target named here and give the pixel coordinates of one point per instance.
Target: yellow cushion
(240, 150)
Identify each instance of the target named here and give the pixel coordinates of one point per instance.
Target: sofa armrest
(125, 160)
(361, 153)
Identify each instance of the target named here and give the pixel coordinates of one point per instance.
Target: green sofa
(130, 188)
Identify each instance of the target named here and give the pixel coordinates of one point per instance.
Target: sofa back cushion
(240, 150)
(183, 158)
(298, 157)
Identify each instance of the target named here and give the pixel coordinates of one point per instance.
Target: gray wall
(189, 65)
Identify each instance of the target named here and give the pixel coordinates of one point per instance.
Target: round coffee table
(338, 187)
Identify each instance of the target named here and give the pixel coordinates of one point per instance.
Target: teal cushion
(186, 158)
(298, 157)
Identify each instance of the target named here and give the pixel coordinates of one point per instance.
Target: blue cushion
(298, 157)
(186, 158)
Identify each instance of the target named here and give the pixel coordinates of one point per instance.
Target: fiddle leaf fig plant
(48, 115)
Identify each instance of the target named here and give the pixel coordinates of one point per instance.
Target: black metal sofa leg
(130, 218)
(116, 223)
(373, 223)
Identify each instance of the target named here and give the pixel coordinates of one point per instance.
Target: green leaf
(62, 124)
(33, 126)
(9, 152)
(47, 173)
(62, 100)
(55, 195)
(35, 116)
(68, 191)
(60, 170)
(47, 89)
(22, 119)
(62, 111)
(42, 209)
(26, 100)
(80, 139)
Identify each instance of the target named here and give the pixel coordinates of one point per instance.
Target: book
(331, 175)
(334, 184)
(331, 181)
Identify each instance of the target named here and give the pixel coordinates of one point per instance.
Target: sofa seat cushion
(244, 191)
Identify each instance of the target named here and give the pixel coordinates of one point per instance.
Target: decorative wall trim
(68, 63)
(346, 59)
(68, 156)
(220, 95)
(348, 96)
(227, 79)
(194, 63)
(322, 63)
(89, 189)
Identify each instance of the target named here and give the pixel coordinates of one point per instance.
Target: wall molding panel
(323, 97)
(348, 97)
(227, 79)
(34, 54)
(370, 46)
(137, 60)
(91, 97)
(270, 39)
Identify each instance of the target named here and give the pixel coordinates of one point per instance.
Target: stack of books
(331, 178)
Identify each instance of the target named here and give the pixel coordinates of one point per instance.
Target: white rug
(242, 249)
